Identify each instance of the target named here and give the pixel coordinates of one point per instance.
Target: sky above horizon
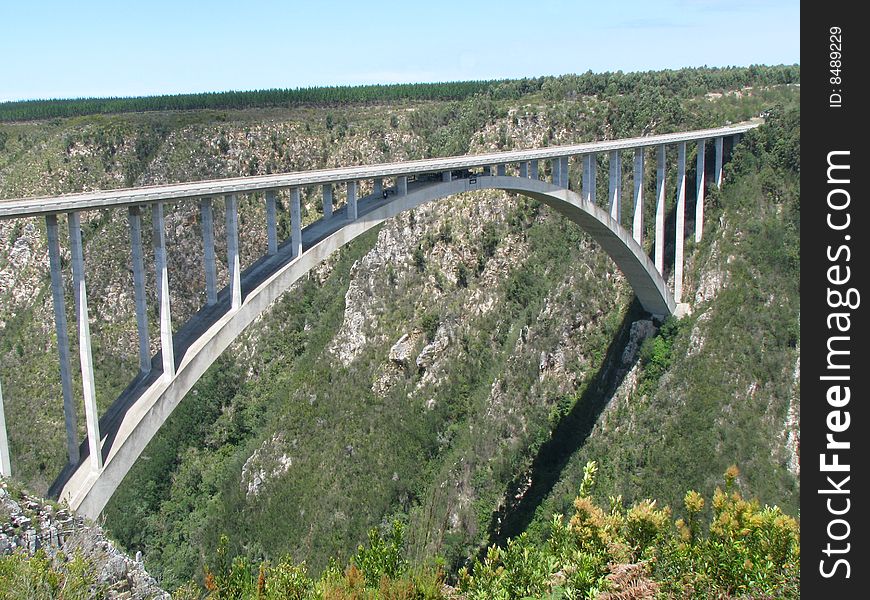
(63, 49)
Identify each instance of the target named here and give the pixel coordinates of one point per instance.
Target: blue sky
(61, 49)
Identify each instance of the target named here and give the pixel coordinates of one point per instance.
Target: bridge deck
(26, 207)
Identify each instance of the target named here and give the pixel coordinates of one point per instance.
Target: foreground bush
(619, 553)
(736, 550)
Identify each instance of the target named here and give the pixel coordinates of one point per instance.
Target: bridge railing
(526, 163)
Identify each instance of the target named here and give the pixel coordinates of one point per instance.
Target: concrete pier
(719, 150)
(533, 169)
(700, 189)
(271, 222)
(295, 223)
(615, 189)
(660, 209)
(524, 169)
(207, 217)
(401, 185)
(500, 170)
(590, 168)
(162, 272)
(563, 171)
(60, 327)
(5, 462)
(447, 176)
(231, 209)
(681, 222)
(92, 418)
(555, 171)
(352, 213)
(134, 217)
(327, 200)
(379, 187)
(637, 221)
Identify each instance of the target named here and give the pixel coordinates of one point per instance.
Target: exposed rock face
(29, 524)
(430, 351)
(792, 429)
(401, 351)
(268, 462)
(640, 331)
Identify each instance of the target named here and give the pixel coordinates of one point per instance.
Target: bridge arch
(152, 399)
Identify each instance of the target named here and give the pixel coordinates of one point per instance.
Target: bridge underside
(142, 409)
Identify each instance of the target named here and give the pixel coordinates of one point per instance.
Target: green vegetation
(39, 577)
(686, 82)
(607, 553)
(26, 110)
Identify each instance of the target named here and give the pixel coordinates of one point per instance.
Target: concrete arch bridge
(116, 439)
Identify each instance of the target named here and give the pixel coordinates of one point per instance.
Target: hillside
(524, 354)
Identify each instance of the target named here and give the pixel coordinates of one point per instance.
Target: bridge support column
(327, 200)
(719, 149)
(5, 462)
(84, 329)
(351, 200)
(401, 185)
(555, 168)
(500, 170)
(487, 170)
(134, 217)
(271, 222)
(379, 187)
(207, 216)
(533, 169)
(233, 262)
(700, 189)
(681, 222)
(167, 350)
(447, 176)
(615, 190)
(590, 168)
(637, 222)
(524, 169)
(60, 326)
(660, 209)
(296, 223)
(563, 171)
